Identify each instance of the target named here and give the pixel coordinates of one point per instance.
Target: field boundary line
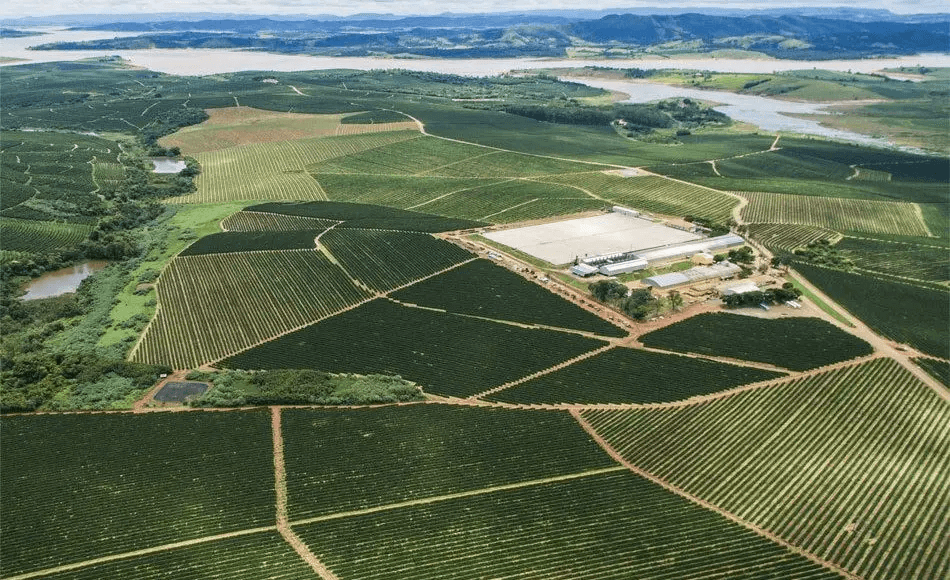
(707, 505)
(429, 171)
(458, 495)
(543, 372)
(280, 489)
(509, 209)
(142, 552)
(726, 360)
(434, 199)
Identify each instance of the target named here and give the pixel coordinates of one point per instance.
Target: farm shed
(743, 288)
(721, 270)
(702, 259)
(682, 250)
(612, 269)
(583, 270)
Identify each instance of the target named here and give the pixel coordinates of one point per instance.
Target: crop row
(431, 156)
(898, 259)
(402, 191)
(250, 557)
(253, 221)
(36, 236)
(655, 194)
(384, 260)
(226, 242)
(625, 375)
(938, 369)
(351, 459)
(793, 343)
(848, 465)
(502, 202)
(444, 353)
(481, 288)
(213, 305)
(885, 217)
(787, 238)
(903, 312)
(363, 216)
(77, 487)
(275, 170)
(613, 525)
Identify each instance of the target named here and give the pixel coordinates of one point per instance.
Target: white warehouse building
(722, 270)
(614, 268)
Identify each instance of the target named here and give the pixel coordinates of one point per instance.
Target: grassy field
(444, 353)
(794, 343)
(884, 217)
(78, 487)
(234, 126)
(766, 455)
(625, 375)
(900, 311)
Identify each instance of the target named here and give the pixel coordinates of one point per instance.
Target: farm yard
(387, 403)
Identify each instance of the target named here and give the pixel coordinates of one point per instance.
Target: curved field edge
(765, 456)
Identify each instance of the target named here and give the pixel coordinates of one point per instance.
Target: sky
(346, 7)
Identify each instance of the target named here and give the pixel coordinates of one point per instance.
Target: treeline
(770, 296)
(637, 304)
(235, 388)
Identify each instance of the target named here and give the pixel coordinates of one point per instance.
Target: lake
(62, 281)
(167, 165)
(216, 61)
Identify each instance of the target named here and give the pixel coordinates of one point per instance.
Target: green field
(214, 305)
(383, 260)
(255, 221)
(444, 353)
(625, 375)
(900, 311)
(38, 237)
(363, 216)
(787, 238)
(764, 455)
(402, 453)
(77, 487)
(903, 260)
(938, 369)
(793, 343)
(481, 288)
(230, 242)
(614, 525)
(885, 217)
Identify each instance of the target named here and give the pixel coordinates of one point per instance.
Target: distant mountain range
(850, 33)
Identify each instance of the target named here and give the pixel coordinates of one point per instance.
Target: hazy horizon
(342, 8)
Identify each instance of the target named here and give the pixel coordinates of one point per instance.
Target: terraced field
(37, 236)
(276, 170)
(786, 237)
(848, 465)
(214, 305)
(626, 375)
(843, 215)
(444, 353)
(654, 194)
(77, 487)
(602, 526)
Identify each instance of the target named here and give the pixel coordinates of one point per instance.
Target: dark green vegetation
(614, 525)
(444, 353)
(939, 369)
(790, 457)
(77, 487)
(397, 454)
(923, 261)
(900, 311)
(638, 304)
(226, 242)
(768, 296)
(386, 260)
(625, 375)
(300, 387)
(793, 343)
(362, 216)
(248, 557)
(481, 288)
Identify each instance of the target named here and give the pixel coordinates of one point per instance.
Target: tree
(608, 290)
(676, 300)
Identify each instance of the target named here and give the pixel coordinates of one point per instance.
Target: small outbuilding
(743, 288)
(702, 259)
(583, 270)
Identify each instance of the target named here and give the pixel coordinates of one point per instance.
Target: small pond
(167, 165)
(62, 281)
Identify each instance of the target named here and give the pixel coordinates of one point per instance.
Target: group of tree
(638, 304)
(823, 253)
(770, 296)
